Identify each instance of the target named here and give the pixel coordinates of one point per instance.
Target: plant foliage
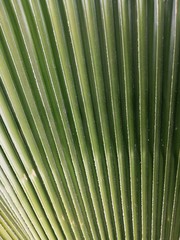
(90, 119)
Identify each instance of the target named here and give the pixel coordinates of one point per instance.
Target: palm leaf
(90, 119)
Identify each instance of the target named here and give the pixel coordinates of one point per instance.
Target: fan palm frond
(90, 119)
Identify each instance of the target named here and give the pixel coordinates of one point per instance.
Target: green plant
(90, 119)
